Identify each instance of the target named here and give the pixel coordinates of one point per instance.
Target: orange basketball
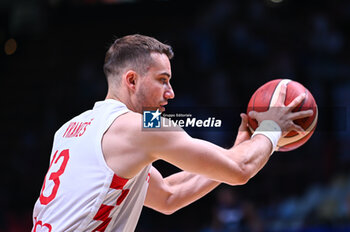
(267, 95)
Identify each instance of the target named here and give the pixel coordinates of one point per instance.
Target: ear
(131, 79)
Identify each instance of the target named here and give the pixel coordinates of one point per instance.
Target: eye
(164, 80)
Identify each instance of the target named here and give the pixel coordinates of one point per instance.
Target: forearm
(169, 194)
(251, 156)
(186, 188)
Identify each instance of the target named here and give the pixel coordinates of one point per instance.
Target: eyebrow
(165, 74)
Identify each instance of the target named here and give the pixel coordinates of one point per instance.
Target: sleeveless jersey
(80, 192)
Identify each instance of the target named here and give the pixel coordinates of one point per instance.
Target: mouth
(162, 106)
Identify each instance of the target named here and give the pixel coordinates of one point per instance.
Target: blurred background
(51, 58)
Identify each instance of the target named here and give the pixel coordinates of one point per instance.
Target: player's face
(154, 87)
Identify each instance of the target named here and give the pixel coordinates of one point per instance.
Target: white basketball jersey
(80, 192)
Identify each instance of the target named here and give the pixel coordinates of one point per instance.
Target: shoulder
(128, 147)
(126, 126)
(130, 127)
(133, 123)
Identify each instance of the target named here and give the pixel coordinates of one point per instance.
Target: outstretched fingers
(299, 99)
(282, 95)
(301, 114)
(298, 129)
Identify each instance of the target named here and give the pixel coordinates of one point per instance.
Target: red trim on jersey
(118, 182)
(122, 196)
(102, 227)
(103, 212)
(103, 215)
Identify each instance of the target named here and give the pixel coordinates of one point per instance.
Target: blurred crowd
(319, 208)
(224, 50)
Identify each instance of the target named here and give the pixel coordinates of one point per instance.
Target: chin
(152, 108)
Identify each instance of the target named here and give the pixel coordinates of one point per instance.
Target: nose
(169, 93)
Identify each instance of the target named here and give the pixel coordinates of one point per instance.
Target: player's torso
(80, 192)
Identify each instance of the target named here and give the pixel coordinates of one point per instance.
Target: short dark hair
(134, 51)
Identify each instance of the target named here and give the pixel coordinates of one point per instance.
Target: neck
(113, 96)
(120, 97)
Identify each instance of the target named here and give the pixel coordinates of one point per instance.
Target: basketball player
(101, 173)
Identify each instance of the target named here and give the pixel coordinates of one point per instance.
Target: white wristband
(271, 130)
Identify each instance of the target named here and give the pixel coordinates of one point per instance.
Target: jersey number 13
(54, 176)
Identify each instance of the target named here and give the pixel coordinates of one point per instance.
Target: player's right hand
(282, 114)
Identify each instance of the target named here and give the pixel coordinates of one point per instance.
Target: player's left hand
(243, 130)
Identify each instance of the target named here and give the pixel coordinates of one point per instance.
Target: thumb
(244, 120)
(253, 114)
